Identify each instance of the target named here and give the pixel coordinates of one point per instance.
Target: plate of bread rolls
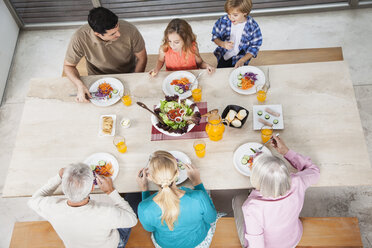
(235, 116)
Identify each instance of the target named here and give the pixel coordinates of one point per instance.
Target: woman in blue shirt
(177, 217)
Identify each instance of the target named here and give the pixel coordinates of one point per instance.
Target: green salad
(177, 115)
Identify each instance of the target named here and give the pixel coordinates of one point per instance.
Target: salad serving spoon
(141, 104)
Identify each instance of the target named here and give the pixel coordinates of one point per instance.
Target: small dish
(125, 123)
(263, 112)
(100, 131)
(236, 108)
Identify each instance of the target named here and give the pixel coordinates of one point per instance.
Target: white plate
(245, 149)
(155, 121)
(185, 159)
(100, 133)
(277, 108)
(115, 84)
(95, 157)
(168, 89)
(233, 80)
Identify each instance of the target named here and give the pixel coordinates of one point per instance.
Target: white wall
(8, 38)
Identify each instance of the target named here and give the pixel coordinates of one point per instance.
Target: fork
(260, 148)
(147, 166)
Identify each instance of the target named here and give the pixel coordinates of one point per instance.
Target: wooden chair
(265, 57)
(332, 232)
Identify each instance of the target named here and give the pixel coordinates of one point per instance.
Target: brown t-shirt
(106, 57)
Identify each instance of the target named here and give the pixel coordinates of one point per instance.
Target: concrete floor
(41, 53)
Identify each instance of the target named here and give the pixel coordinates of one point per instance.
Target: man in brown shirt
(109, 46)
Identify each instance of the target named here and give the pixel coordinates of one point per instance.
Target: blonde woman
(270, 216)
(177, 217)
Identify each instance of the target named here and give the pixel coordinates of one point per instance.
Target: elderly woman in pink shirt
(270, 216)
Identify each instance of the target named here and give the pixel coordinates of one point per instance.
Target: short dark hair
(101, 19)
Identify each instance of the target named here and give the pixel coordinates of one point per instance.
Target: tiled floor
(41, 54)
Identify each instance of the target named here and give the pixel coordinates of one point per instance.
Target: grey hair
(270, 175)
(77, 182)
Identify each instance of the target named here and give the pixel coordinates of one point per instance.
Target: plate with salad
(182, 159)
(244, 156)
(103, 164)
(106, 91)
(179, 83)
(179, 116)
(244, 80)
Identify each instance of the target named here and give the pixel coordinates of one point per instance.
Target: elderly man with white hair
(78, 220)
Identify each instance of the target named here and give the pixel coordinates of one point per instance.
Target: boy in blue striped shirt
(236, 34)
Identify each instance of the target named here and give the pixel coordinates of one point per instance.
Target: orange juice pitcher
(214, 127)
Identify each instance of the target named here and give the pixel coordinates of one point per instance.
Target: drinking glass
(199, 147)
(266, 133)
(261, 91)
(119, 143)
(126, 99)
(197, 93)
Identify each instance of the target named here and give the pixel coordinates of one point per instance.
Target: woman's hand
(279, 145)
(142, 179)
(194, 174)
(153, 72)
(228, 45)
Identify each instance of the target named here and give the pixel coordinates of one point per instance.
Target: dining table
(319, 108)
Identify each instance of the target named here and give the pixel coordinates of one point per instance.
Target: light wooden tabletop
(319, 108)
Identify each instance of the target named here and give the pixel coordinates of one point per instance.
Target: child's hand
(210, 69)
(153, 73)
(228, 45)
(239, 63)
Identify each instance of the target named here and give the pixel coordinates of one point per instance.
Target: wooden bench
(335, 232)
(265, 57)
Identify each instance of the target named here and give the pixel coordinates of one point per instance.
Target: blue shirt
(251, 38)
(197, 212)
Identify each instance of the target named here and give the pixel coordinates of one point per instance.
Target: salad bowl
(179, 116)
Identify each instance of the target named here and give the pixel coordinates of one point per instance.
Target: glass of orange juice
(126, 99)
(119, 142)
(266, 133)
(197, 93)
(199, 147)
(261, 91)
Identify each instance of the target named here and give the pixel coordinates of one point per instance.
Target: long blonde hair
(164, 172)
(184, 30)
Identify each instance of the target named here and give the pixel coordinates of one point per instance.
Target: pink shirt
(274, 222)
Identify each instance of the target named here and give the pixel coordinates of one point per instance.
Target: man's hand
(61, 172)
(142, 180)
(194, 174)
(105, 184)
(279, 145)
(239, 63)
(228, 45)
(82, 94)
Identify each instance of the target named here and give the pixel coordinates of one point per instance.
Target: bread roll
(242, 114)
(236, 123)
(231, 115)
